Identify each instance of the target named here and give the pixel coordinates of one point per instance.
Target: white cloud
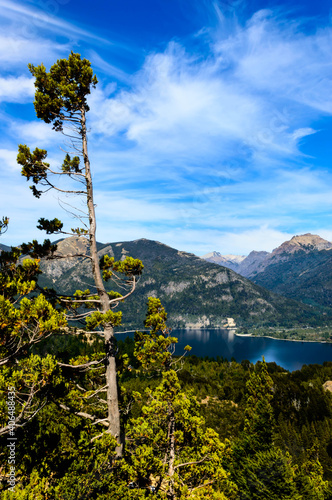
(36, 132)
(20, 89)
(324, 233)
(303, 132)
(251, 92)
(276, 57)
(107, 68)
(44, 17)
(263, 238)
(8, 158)
(18, 51)
(199, 151)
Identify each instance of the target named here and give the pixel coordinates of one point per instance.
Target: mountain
(300, 269)
(194, 292)
(231, 261)
(252, 262)
(4, 248)
(239, 263)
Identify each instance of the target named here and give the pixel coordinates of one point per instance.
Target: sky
(210, 127)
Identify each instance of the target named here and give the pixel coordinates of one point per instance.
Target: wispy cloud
(37, 133)
(260, 88)
(20, 89)
(43, 17)
(8, 157)
(109, 69)
(17, 51)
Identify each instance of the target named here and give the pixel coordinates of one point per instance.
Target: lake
(290, 355)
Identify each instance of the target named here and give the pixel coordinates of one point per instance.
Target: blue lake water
(290, 355)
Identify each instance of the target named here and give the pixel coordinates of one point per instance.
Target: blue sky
(210, 127)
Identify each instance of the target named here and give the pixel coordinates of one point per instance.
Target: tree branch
(94, 419)
(192, 463)
(81, 367)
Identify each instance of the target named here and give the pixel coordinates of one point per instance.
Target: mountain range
(195, 293)
(300, 269)
(289, 286)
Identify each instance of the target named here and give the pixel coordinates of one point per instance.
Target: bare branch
(25, 409)
(102, 389)
(85, 365)
(201, 486)
(100, 421)
(84, 415)
(97, 437)
(118, 299)
(67, 256)
(192, 463)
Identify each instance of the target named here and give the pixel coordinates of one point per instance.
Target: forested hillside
(194, 292)
(273, 428)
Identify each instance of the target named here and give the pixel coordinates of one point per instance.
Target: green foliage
(23, 321)
(258, 424)
(98, 319)
(169, 445)
(56, 451)
(17, 280)
(310, 477)
(198, 451)
(129, 266)
(267, 474)
(50, 226)
(258, 466)
(79, 231)
(39, 250)
(71, 164)
(63, 90)
(33, 166)
(154, 349)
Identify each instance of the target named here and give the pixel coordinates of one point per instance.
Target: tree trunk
(170, 493)
(111, 377)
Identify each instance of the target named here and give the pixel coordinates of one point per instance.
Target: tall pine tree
(61, 100)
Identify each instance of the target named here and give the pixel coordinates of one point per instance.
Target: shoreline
(233, 330)
(276, 338)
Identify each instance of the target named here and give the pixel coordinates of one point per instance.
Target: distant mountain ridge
(4, 248)
(195, 293)
(300, 268)
(230, 261)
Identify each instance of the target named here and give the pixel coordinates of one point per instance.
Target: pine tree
(258, 425)
(26, 319)
(61, 100)
(260, 469)
(310, 477)
(168, 445)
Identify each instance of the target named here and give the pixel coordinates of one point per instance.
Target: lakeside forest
(97, 418)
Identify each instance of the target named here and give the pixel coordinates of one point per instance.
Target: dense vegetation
(269, 431)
